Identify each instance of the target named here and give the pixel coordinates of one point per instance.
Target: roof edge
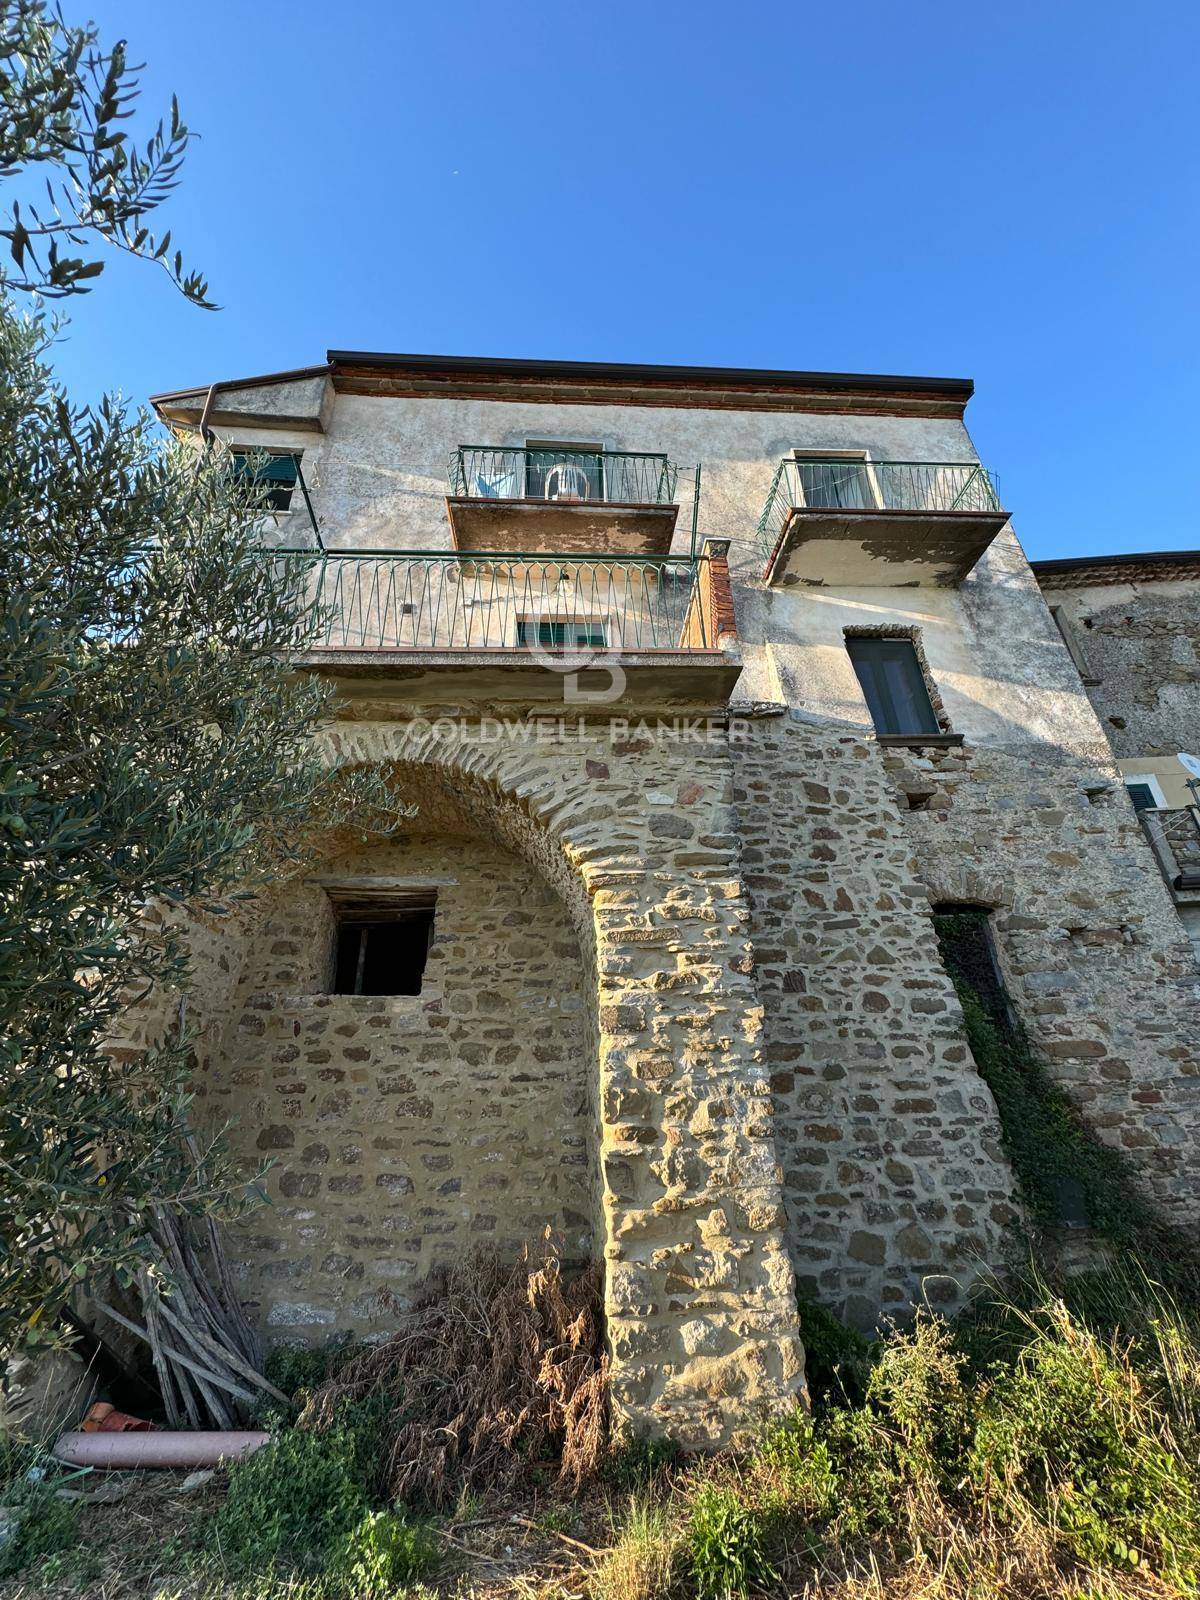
(766, 377)
(261, 380)
(1167, 558)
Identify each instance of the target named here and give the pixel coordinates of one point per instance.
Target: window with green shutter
(277, 472)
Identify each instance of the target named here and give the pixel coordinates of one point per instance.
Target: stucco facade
(684, 1002)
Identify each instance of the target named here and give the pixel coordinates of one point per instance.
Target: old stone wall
(1140, 643)
(896, 1187)
(1093, 953)
(406, 1129)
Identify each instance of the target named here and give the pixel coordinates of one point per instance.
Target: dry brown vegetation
(1040, 1452)
(503, 1366)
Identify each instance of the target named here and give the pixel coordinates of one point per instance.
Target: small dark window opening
(893, 685)
(276, 475)
(964, 938)
(968, 952)
(381, 947)
(1142, 796)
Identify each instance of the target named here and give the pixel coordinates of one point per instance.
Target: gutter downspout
(206, 434)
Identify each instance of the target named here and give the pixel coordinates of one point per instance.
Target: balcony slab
(581, 527)
(877, 548)
(663, 678)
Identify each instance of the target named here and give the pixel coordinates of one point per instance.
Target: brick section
(710, 623)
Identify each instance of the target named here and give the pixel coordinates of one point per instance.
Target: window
(967, 947)
(839, 478)
(277, 471)
(1145, 792)
(564, 471)
(382, 939)
(893, 685)
(571, 634)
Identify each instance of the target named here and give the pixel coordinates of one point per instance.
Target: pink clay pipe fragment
(116, 1450)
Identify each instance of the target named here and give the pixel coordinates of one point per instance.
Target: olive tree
(157, 753)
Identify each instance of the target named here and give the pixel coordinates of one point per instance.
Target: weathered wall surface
(1028, 817)
(772, 1043)
(1094, 955)
(378, 475)
(896, 1186)
(1141, 643)
(406, 1129)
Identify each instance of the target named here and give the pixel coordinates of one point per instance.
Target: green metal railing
(854, 484)
(414, 600)
(615, 477)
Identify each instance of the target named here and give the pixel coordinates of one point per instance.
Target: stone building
(1132, 625)
(711, 688)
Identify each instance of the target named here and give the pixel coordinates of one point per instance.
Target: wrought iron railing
(1174, 835)
(854, 484)
(411, 600)
(614, 477)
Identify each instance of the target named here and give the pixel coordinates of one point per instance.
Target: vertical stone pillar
(700, 1296)
(639, 837)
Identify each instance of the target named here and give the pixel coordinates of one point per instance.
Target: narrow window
(893, 685)
(570, 634)
(564, 471)
(968, 951)
(383, 940)
(276, 472)
(1142, 795)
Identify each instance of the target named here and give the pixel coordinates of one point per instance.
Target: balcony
(850, 522)
(453, 622)
(586, 502)
(1174, 835)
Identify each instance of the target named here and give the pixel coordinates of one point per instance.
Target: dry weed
(504, 1367)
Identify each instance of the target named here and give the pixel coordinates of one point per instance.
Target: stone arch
(960, 883)
(636, 839)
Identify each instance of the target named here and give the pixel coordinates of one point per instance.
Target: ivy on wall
(1066, 1176)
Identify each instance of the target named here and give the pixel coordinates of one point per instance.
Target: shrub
(383, 1552)
(726, 1544)
(47, 1529)
(796, 1473)
(636, 1462)
(503, 1368)
(836, 1358)
(297, 1497)
(1073, 1436)
(916, 1389)
(296, 1369)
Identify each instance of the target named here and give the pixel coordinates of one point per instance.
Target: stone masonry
(684, 1004)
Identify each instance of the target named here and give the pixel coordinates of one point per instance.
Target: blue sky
(1007, 192)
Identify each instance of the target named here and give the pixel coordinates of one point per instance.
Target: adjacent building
(1132, 625)
(712, 690)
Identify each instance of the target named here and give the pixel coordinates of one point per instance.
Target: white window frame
(812, 453)
(1151, 783)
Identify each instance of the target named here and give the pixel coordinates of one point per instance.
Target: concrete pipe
(119, 1450)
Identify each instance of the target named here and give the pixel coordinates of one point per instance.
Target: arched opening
(404, 1129)
(675, 1184)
